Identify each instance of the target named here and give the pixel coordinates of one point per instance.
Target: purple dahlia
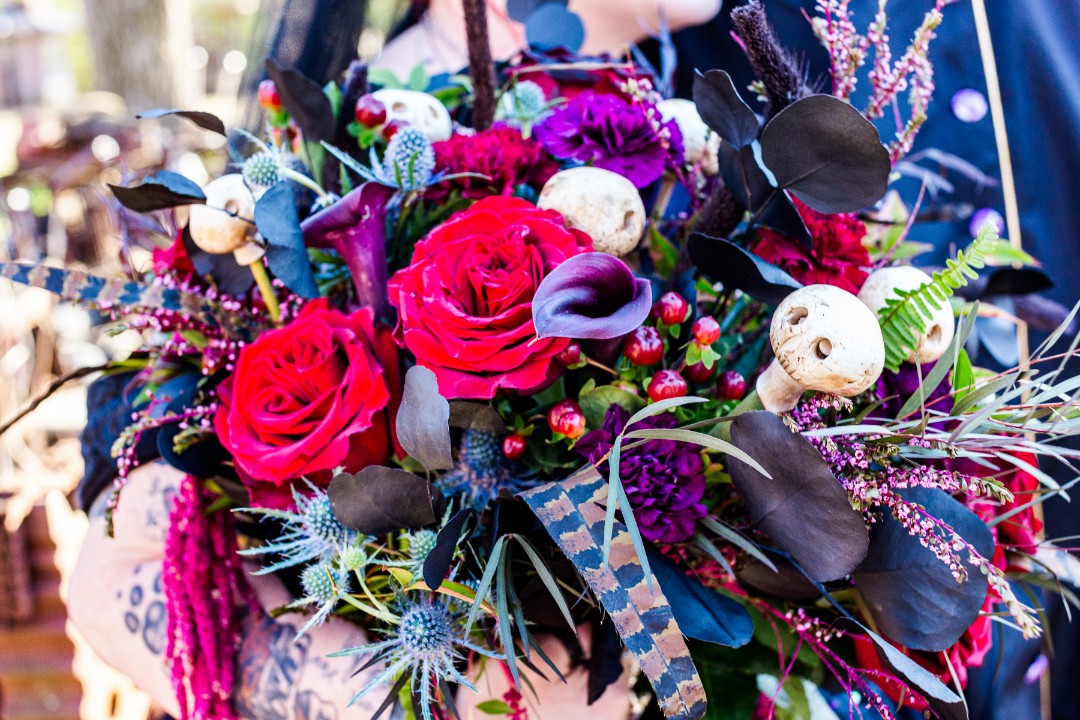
(664, 479)
(613, 133)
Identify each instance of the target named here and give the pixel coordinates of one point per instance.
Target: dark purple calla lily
(593, 296)
(355, 226)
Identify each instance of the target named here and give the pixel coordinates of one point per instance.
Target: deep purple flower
(664, 479)
(610, 132)
(894, 388)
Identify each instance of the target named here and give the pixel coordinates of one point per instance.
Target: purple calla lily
(355, 226)
(593, 296)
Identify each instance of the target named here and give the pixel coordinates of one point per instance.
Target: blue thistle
(421, 543)
(523, 104)
(426, 646)
(311, 532)
(409, 161)
(482, 470)
(263, 169)
(324, 585)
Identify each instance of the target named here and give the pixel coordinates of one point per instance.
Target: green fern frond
(904, 317)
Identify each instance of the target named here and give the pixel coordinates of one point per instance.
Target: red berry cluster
(370, 113)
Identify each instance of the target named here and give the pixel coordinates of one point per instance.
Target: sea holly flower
(310, 532)
(324, 585)
(424, 650)
(484, 470)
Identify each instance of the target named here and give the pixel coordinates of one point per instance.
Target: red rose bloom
(465, 300)
(501, 154)
(836, 258)
(307, 398)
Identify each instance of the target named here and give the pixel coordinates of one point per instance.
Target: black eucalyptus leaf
(205, 120)
(223, 271)
(378, 500)
(723, 109)
(423, 420)
(1006, 281)
(475, 416)
(803, 508)
(743, 174)
(785, 583)
(437, 563)
(605, 658)
(911, 593)
(278, 223)
(163, 189)
(305, 101)
(701, 613)
(740, 269)
(945, 703)
(827, 154)
(205, 458)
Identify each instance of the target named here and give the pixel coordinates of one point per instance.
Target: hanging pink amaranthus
(202, 579)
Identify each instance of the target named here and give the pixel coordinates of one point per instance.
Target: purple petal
(355, 226)
(591, 296)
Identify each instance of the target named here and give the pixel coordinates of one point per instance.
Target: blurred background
(73, 75)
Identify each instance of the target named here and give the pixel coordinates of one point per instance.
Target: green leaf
(663, 406)
(333, 94)
(494, 707)
(196, 338)
(1001, 252)
(595, 402)
(665, 254)
(691, 436)
(963, 378)
(384, 78)
(418, 78)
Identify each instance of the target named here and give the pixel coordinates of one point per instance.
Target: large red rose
(307, 398)
(465, 301)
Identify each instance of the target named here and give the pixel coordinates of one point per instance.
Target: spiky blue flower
(409, 161)
(427, 647)
(523, 104)
(324, 585)
(263, 169)
(421, 543)
(311, 532)
(482, 470)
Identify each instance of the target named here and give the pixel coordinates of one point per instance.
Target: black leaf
(605, 658)
(804, 508)
(786, 583)
(378, 500)
(161, 190)
(742, 173)
(700, 612)
(475, 416)
(723, 109)
(205, 120)
(739, 269)
(901, 580)
(278, 223)
(423, 420)
(305, 101)
(205, 458)
(437, 563)
(1006, 281)
(227, 275)
(945, 704)
(827, 154)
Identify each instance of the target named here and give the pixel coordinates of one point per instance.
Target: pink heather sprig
(916, 64)
(202, 579)
(846, 47)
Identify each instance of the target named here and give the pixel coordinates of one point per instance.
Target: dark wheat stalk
(774, 66)
(481, 67)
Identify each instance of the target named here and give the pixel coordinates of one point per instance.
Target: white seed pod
(604, 205)
(700, 143)
(883, 284)
(226, 222)
(418, 109)
(824, 339)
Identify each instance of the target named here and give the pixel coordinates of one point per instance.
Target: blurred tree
(136, 46)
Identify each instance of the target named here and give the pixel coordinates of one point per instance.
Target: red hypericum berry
(389, 130)
(644, 346)
(269, 97)
(730, 386)
(570, 356)
(666, 384)
(514, 446)
(370, 112)
(672, 308)
(706, 330)
(698, 373)
(566, 418)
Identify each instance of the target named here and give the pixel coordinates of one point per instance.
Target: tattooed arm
(116, 602)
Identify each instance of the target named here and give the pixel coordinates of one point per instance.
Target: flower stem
(266, 290)
(301, 179)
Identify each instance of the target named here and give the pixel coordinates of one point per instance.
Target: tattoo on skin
(145, 614)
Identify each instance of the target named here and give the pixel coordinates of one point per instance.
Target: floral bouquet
(544, 347)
